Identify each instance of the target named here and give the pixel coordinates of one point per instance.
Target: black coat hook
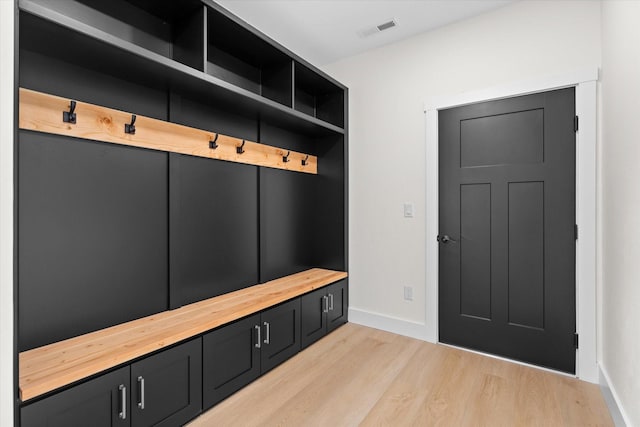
(70, 116)
(131, 127)
(285, 159)
(240, 149)
(305, 161)
(212, 144)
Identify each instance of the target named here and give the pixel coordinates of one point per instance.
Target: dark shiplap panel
(92, 236)
(213, 228)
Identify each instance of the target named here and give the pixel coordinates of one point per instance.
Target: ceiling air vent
(386, 25)
(378, 28)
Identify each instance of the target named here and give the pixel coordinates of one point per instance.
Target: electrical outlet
(408, 293)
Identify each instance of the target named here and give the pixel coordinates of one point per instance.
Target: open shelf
(240, 57)
(171, 29)
(52, 33)
(318, 97)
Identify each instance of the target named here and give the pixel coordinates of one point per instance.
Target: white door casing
(585, 81)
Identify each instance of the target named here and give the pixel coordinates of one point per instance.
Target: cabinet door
(280, 333)
(338, 305)
(313, 318)
(167, 387)
(101, 402)
(231, 359)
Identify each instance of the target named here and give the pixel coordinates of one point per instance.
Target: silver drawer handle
(123, 402)
(268, 326)
(141, 383)
(259, 329)
(325, 300)
(331, 302)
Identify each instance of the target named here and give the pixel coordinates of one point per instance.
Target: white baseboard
(383, 322)
(620, 417)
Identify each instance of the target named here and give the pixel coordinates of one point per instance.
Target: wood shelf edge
(78, 358)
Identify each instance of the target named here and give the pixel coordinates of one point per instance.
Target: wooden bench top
(47, 368)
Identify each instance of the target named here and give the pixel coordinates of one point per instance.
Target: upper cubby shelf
(244, 59)
(193, 48)
(318, 97)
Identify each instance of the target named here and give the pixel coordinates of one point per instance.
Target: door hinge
(575, 231)
(575, 124)
(575, 340)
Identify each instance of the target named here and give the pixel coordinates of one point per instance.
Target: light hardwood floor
(362, 376)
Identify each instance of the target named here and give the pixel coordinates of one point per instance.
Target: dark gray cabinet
(236, 354)
(101, 402)
(231, 359)
(166, 389)
(323, 310)
(281, 334)
(161, 390)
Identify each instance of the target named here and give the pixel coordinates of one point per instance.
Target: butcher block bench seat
(45, 369)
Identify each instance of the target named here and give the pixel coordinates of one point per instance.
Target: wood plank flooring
(363, 376)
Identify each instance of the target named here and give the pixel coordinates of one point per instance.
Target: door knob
(445, 239)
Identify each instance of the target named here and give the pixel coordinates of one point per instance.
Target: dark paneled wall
(92, 245)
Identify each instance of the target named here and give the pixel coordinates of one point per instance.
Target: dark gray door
(507, 239)
(280, 334)
(230, 359)
(313, 316)
(100, 402)
(166, 388)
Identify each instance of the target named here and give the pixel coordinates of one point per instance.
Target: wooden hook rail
(46, 113)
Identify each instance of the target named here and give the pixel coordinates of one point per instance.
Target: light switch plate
(408, 210)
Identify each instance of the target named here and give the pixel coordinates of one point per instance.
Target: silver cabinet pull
(123, 402)
(325, 300)
(259, 343)
(141, 385)
(331, 302)
(268, 326)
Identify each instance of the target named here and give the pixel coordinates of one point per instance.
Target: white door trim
(585, 81)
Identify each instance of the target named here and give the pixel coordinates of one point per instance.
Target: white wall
(620, 208)
(388, 86)
(6, 211)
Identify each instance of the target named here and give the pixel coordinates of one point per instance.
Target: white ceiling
(324, 31)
